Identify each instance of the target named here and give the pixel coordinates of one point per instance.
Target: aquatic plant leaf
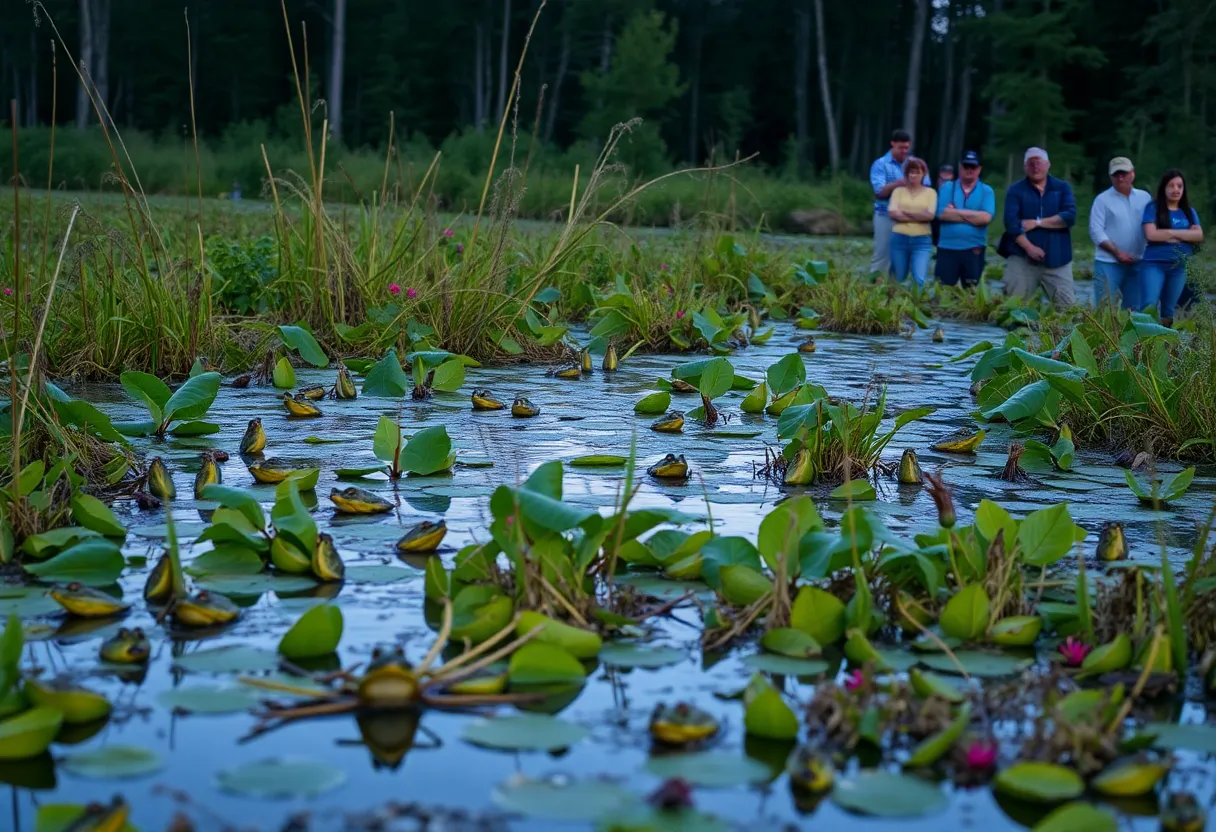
(96, 516)
(1173, 616)
(83, 415)
(819, 614)
(654, 403)
(882, 794)
(1026, 403)
(387, 440)
(765, 712)
(598, 461)
(786, 374)
(709, 769)
(982, 346)
(194, 428)
(976, 663)
(95, 561)
(300, 339)
(743, 585)
(291, 518)
(357, 473)
(854, 490)
(1132, 778)
(926, 683)
(192, 399)
(284, 375)
(231, 658)
(525, 732)
(282, 777)
(716, 378)
(1039, 782)
(239, 499)
(620, 654)
(1046, 535)
(788, 641)
(785, 665)
(226, 559)
(546, 480)
(783, 528)
(448, 376)
(1016, 630)
(1199, 737)
(580, 643)
(55, 540)
(148, 389)
(427, 451)
(386, 379)
(115, 762)
(579, 800)
(135, 428)
(965, 616)
(933, 748)
(546, 512)
(1074, 816)
(543, 664)
(316, 633)
(29, 733)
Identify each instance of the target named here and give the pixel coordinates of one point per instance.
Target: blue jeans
(911, 255)
(1110, 278)
(1161, 283)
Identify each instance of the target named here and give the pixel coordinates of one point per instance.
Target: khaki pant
(1023, 278)
(881, 260)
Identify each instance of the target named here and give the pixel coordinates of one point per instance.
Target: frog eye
(377, 653)
(75, 586)
(138, 632)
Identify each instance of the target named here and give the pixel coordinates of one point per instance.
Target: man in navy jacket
(1039, 211)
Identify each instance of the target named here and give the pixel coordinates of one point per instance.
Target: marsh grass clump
(847, 304)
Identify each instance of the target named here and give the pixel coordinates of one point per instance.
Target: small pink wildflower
(854, 680)
(394, 289)
(447, 232)
(981, 755)
(679, 314)
(1074, 651)
(670, 291)
(411, 293)
(8, 291)
(460, 248)
(663, 267)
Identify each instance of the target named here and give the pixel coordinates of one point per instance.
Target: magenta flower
(8, 291)
(411, 293)
(854, 680)
(447, 232)
(679, 314)
(1073, 651)
(981, 755)
(394, 289)
(460, 248)
(675, 793)
(670, 291)
(663, 267)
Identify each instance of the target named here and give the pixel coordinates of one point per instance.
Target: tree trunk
(855, 145)
(959, 134)
(825, 90)
(479, 79)
(606, 46)
(802, 69)
(694, 92)
(83, 107)
(912, 90)
(101, 51)
(31, 108)
(563, 66)
(337, 65)
(942, 139)
(502, 58)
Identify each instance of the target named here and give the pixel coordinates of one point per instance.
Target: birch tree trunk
(694, 92)
(479, 78)
(942, 139)
(912, 90)
(802, 69)
(825, 90)
(101, 50)
(502, 58)
(337, 69)
(83, 107)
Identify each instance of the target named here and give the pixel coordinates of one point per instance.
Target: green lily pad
(1189, 737)
(526, 732)
(709, 769)
(580, 800)
(598, 461)
(281, 778)
(886, 795)
(544, 664)
(112, 762)
(1075, 816)
(29, 734)
(378, 574)
(636, 655)
(316, 633)
(1040, 782)
(207, 699)
(977, 663)
(234, 658)
(785, 665)
(355, 473)
(256, 584)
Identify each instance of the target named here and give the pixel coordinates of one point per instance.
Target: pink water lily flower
(1074, 651)
(394, 289)
(981, 755)
(411, 293)
(447, 232)
(679, 314)
(854, 680)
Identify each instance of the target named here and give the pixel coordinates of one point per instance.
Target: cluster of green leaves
(428, 451)
(186, 405)
(244, 542)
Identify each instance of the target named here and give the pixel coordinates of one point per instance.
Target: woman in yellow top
(913, 206)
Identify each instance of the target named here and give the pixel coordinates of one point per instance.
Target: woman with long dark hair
(1172, 230)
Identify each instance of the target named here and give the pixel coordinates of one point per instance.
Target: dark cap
(971, 158)
(945, 168)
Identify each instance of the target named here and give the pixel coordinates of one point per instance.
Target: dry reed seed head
(942, 498)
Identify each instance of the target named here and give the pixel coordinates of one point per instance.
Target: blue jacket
(1024, 202)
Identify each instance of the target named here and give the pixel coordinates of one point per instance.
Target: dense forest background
(809, 86)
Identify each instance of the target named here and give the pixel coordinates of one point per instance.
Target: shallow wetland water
(589, 416)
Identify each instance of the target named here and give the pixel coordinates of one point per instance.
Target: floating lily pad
(709, 769)
(735, 434)
(206, 699)
(584, 800)
(977, 663)
(886, 795)
(355, 473)
(255, 584)
(785, 665)
(526, 732)
(234, 658)
(664, 588)
(281, 778)
(1076, 816)
(112, 762)
(1040, 782)
(637, 655)
(598, 461)
(378, 574)
(1189, 737)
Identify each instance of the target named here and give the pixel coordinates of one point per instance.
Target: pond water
(591, 416)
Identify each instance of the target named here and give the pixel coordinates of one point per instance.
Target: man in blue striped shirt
(887, 174)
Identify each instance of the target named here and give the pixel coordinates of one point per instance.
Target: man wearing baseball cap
(1117, 232)
(1039, 211)
(965, 207)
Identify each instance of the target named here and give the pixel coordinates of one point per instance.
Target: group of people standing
(1143, 241)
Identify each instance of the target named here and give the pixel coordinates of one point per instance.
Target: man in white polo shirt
(1118, 234)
